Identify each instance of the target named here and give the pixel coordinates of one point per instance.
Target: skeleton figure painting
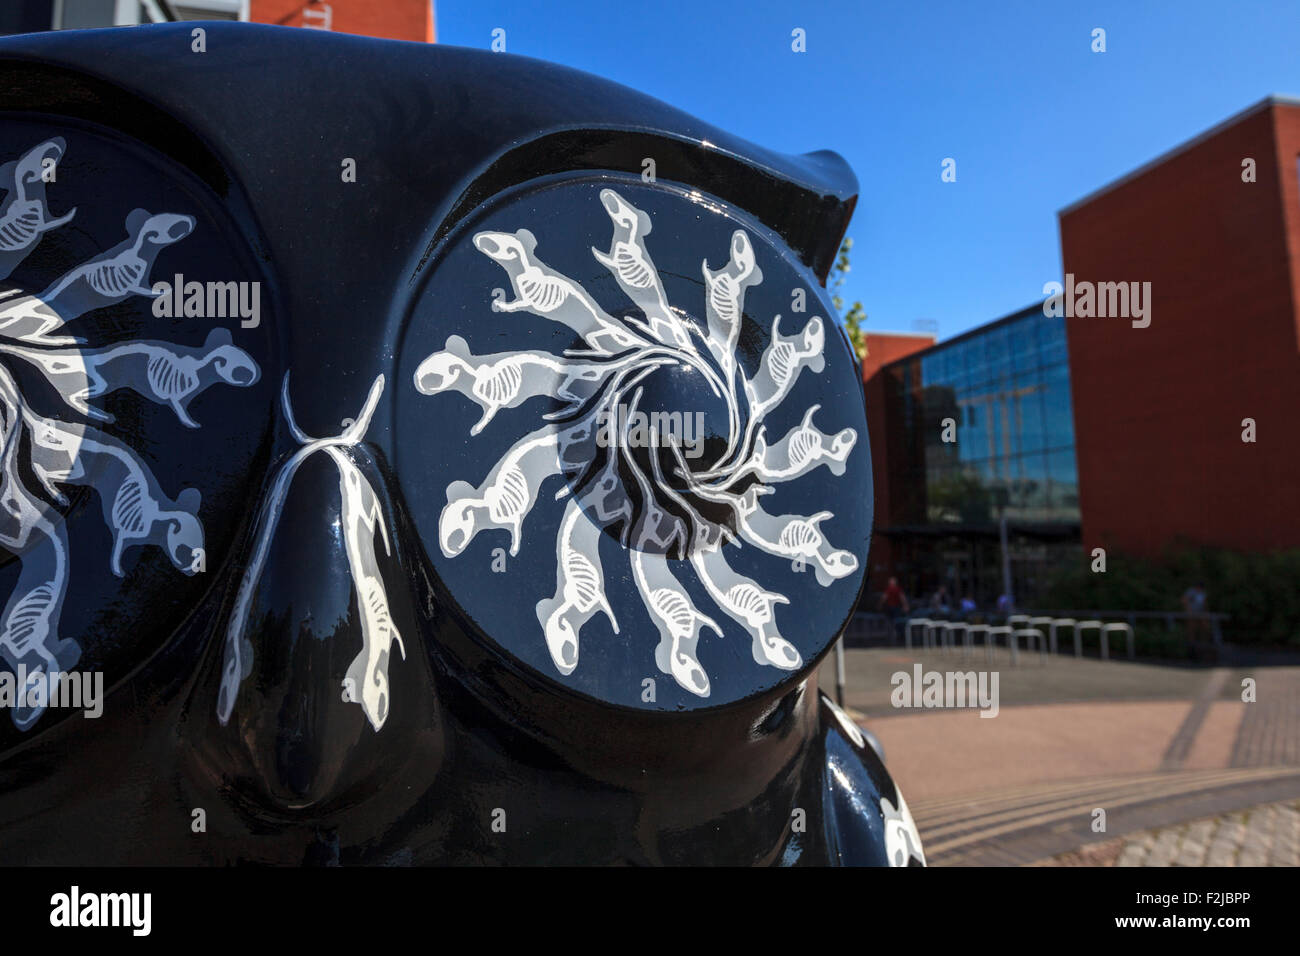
(667, 519)
(49, 450)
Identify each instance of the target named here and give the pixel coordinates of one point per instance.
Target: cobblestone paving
(1270, 730)
(1173, 754)
(1013, 827)
(1267, 835)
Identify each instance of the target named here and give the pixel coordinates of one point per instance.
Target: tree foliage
(1259, 590)
(856, 316)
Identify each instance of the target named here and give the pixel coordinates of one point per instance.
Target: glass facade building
(981, 429)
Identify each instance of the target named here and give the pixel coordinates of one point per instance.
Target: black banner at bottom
(912, 906)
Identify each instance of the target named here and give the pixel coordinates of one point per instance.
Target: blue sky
(1011, 90)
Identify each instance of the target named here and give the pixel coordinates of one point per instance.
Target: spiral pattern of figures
(46, 451)
(671, 511)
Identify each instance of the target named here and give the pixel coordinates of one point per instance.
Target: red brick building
(1159, 410)
(391, 19)
(1122, 431)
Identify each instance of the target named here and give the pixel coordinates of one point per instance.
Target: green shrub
(1156, 640)
(1260, 591)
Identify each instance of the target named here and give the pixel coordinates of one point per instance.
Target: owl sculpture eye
(116, 449)
(650, 430)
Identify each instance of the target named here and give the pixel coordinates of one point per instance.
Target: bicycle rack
(1030, 634)
(911, 621)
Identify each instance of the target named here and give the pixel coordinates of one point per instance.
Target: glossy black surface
(365, 279)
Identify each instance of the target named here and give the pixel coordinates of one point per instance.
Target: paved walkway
(1270, 728)
(1022, 825)
(1267, 835)
(1153, 746)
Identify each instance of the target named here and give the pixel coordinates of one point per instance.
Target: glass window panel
(984, 436)
(938, 373)
(1052, 340)
(1028, 407)
(961, 361)
(1033, 487)
(957, 370)
(972, 436)
(1061, 466)
(927, 369)
(1058, 411)
(1063, 485)
(1024, 344)
(955, 366)
(997, 346)
(977, 366)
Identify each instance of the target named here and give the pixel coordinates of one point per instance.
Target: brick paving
(1181, 746)
(1027, 824)
(1270, 730)
(1267, 835)
(1189, 774)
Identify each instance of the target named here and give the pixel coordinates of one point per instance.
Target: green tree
(856, 316)
(1259, 591)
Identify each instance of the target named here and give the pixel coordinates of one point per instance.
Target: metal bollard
(1041, 622)
(1011, 646)
(1034, 634)
(1128, 635)
(948, 628)
(907, 629)
(1061, 622)
(1078, 637)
